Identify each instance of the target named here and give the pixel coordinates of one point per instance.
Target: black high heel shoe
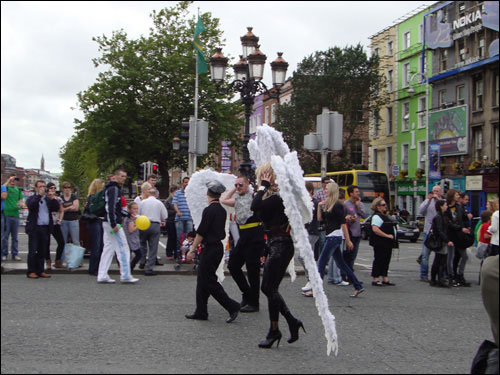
(271, 337)
(294, 330)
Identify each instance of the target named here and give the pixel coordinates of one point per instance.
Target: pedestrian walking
(250, 246)
(170, 224)
(183, 220)
(115, 241)
(440, 228)
(12, 204)
(156, 212)
(57, 217)
(336, 232)
(269, 205)
(383, 240)
(210, 233)
(95, 224)
(38, 227)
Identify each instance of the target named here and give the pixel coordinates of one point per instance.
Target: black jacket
(441, 228)
(33, 204)
(113, 197)
(388, 228)
(456, 221)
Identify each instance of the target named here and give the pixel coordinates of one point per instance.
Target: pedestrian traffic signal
(154, 168)
(140, 171)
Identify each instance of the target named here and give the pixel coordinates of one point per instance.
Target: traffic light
(184, 137)
(154, 168)
(140, 171)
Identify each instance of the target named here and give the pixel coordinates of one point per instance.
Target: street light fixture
(411, 90)
(249, 71)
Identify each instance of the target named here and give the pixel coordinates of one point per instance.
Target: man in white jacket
(493, 229)
(428, 209)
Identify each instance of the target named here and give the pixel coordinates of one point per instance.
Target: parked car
(406, 231)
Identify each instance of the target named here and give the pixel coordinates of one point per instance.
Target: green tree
(343, 80)
(134, 109)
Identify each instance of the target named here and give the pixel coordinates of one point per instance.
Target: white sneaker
(307, 288)
(106, 281)
(130, 281)
(17, 258)
(343, 283)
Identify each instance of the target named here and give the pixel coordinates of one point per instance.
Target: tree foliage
(343, 80)
(134, 109)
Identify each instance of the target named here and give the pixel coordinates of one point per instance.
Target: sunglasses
(238, 185)
(383, 204)
(66, 187)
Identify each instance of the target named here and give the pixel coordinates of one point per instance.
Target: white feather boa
(269, 146)
(196, 196)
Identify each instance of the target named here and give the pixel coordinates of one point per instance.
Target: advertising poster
(448, 129)
(434, 161)
(225, 157)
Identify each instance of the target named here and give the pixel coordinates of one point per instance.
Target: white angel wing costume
(269, 146)
(196, 196)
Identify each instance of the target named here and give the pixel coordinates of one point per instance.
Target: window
(421, 111)
(443, 59)
(478, 93)
(404, 156)
(376, 51)
(461, 50)
(406, 74)
(477, 135)
(461, 9)
(375, 124)
(480, 45)
(420, 33)
(388, 159)
(390, 81)
(441, 98)
(266, 115)
(390, 48)
(497, 141)
(421, 154)
(406, 40)
(406, 116)
(375, 159)
(357, 151)
(495, 92)
(389, 120)
(460, 95)
(273, 113)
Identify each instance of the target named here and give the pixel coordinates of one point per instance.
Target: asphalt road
(71, 324)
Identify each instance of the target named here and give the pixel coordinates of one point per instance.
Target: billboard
(434, 161)
(449, 129)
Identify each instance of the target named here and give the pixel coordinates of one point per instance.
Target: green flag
(202, 63)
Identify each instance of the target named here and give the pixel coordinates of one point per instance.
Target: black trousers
(56, 232)
(247, 252)
(280, 253)
(172, 238)
(207, 284)
(381, 261)
(438, 267)
(38, 239)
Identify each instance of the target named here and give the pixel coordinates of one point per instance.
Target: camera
(16, 178)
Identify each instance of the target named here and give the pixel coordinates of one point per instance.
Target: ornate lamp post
(249, 72)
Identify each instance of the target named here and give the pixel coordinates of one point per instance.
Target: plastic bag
(74, 255)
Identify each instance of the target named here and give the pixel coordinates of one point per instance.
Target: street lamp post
(249, 71)
(411, 90)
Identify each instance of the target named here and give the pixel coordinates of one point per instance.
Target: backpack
(368, 230)
(98, 204)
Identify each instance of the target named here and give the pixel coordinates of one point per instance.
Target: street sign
(395, 170)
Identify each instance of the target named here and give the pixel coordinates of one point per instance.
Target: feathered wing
(196, 196)
(270, 147)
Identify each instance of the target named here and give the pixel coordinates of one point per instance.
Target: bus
(372, 184)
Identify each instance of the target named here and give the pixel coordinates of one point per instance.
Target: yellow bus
(372, 184)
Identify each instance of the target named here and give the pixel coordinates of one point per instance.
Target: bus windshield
(372, 185)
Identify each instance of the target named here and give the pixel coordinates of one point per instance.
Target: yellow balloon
(142, 222)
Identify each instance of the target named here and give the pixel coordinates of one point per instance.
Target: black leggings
(56, 232)
(438, 266)
(280, 253)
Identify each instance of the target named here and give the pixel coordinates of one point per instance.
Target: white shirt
(493, 229)
(153, 209)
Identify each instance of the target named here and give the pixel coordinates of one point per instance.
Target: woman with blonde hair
(268, 204)
(95, 229)
(336, 231)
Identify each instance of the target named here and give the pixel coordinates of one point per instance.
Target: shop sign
(473, 183)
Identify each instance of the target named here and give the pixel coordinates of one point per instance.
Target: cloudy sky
(47, 52)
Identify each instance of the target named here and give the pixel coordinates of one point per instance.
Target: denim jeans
(333, 248)
(3, 225)
(424, 265)
(72, 227)
(12, 228)
(351, 255)
(182, 226)
(334, 274)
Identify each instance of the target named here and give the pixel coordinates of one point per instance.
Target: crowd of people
(262, 237)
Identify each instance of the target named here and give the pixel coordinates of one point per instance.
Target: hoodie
(113, 206)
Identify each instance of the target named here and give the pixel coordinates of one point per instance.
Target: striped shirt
(180, 201)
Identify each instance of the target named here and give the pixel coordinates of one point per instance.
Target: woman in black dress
(269, 205)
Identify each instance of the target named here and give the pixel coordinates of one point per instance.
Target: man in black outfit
(210, 233)
(250, 246)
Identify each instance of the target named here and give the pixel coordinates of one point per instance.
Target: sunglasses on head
(238, 185)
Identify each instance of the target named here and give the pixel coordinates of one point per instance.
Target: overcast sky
(47, 52)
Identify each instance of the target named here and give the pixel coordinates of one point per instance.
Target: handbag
(465, 240)
(433, 242)
(482, 250)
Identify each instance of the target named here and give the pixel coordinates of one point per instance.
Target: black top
(113, 197)
(69, 215)
(213, 223)
(440, 227)
(271, 210)
(334, 218)
(388, 228)
(457, 219)
(313, 226)
(33, 203)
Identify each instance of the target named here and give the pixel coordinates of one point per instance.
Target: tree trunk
(164, 186)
